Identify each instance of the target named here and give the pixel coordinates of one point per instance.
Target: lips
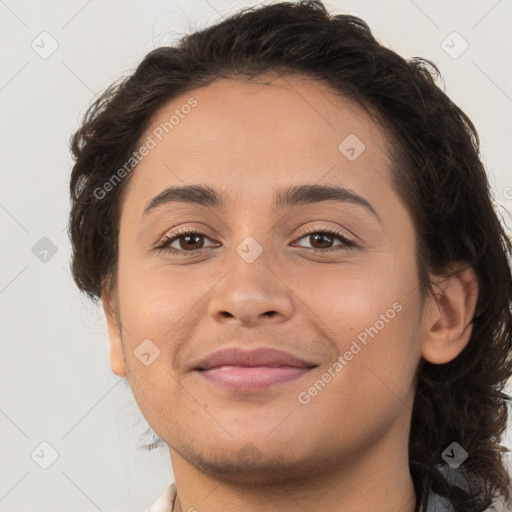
(251, 370)
(234, 356)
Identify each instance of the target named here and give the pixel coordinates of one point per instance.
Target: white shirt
(165, 503)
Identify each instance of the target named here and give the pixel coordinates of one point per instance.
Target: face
(327, 275)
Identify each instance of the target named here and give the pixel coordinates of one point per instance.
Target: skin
(347, 449)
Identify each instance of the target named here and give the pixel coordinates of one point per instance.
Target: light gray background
(55, 377)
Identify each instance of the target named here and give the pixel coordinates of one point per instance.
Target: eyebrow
(204, 195)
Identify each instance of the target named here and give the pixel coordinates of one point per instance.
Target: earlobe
(448, 320)
(117, 363)
(116, 357)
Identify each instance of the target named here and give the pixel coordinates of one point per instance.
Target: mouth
(249, 371)
(252, 378)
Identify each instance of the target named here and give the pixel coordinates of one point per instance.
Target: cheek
(373, 330)
(353, 294)
(163, 305)
(370, 314)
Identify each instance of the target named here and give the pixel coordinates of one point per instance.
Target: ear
(448, 320)
(110, 308)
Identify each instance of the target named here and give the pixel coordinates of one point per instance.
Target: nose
(251, 294)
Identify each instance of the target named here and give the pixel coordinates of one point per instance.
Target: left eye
(327, 237)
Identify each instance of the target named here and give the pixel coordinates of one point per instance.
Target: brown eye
(183, 242)
(321, 240)
(190, 241)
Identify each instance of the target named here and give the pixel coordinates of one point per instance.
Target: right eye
(186, 239)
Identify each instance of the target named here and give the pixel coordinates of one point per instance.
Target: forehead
(242, 135)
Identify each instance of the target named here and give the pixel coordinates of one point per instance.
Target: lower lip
(252, 378)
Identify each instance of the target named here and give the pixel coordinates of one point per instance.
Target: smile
(252, 378)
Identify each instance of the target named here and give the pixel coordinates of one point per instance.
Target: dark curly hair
(437, 173)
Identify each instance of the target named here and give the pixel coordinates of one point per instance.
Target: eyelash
(164, 246)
